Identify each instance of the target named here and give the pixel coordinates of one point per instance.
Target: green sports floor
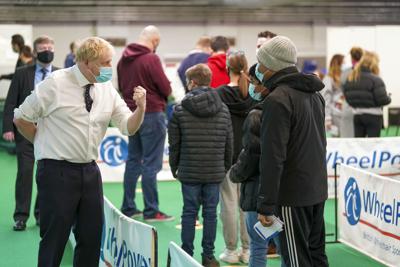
(19, 249)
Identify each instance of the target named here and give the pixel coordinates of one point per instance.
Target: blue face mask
(253, 94)
(105, 75)
(259, 75)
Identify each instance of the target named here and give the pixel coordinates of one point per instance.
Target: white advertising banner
(377, 155)
(179, 258)
(369, 214)
(126, 242)
(113, 153)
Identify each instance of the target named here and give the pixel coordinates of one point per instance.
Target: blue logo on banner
(352, 201)
(114, 150)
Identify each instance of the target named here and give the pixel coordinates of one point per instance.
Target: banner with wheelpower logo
(369, 214)
(126, 242)
(377, 155)
(113, 154)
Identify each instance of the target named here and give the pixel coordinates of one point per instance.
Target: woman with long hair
(235, 95)
(333, 95)
(365, 91)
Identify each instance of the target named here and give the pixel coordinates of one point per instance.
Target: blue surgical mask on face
(105, 75)
(259, 75)
(253, 94)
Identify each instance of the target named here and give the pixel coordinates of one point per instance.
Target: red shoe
(159, 217)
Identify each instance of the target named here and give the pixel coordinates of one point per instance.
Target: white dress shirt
(65, 129)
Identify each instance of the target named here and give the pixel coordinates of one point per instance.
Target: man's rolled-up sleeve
(39, 103)
(120, 114)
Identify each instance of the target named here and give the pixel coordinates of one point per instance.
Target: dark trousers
(24, 181)
(368, 125)
(195, 195)
(303, 238)
(70, 196)
(145, 157)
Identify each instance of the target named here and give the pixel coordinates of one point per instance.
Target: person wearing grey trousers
(235, 96)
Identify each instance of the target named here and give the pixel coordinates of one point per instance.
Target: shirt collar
(40, 67)
(82, 81)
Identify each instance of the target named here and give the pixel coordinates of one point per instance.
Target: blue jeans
(258, 246)
(145, 156)
(195, 195)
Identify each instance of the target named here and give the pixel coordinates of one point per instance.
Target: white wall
(8, 58)
(177, 40)
(63, 35)
(384, 40)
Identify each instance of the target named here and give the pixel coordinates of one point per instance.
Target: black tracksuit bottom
(303, 238)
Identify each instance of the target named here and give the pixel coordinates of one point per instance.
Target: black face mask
(45, 56)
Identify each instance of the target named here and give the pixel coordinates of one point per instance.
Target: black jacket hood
(202, 102)
(294, 79)
(230, 95)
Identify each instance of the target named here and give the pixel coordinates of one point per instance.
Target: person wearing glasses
(246, 171)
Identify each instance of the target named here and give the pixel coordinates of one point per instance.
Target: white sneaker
(244, 255)
(229, 256)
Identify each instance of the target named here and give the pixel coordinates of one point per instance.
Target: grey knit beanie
(278, 53)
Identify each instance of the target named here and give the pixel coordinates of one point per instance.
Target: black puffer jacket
(239, 108)
(246, 170)
(200, 138)
(367, 92)
(293, 143)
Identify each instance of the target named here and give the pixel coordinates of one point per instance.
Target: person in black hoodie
(235, 96)
(246, 171)
(366, 93)
(293, 175)
(200, 147)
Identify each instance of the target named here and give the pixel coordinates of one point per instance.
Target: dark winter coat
(200, 138)
(293, 142)
(239, 108)
(367, 92)
(246, 170)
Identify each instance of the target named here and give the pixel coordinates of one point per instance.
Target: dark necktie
(88, 98)
(44, 72)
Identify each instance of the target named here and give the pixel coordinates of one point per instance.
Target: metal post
(336, 206)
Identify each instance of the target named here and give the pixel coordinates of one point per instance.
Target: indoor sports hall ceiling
(203, 11)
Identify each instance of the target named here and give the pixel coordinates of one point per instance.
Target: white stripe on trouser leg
(285, 220)
(296, 260)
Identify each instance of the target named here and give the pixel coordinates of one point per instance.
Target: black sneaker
(210, 261)
(137, 214)
(19, 225)
(159, 217)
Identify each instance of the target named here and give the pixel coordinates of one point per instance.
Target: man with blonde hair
(72, 109)
(139, 65)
